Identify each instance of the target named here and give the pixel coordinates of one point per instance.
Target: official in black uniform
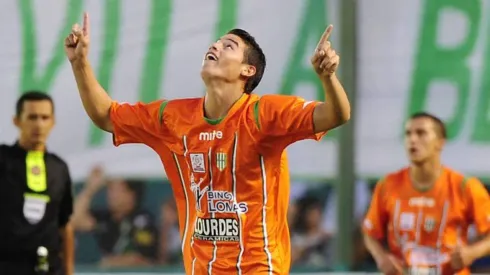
(35, 196)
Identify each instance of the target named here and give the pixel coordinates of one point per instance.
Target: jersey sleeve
(374, 223)
(479, 204)
(137, 123)
(288, 117)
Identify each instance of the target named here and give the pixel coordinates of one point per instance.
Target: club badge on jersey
(197, 162)
(36, 198)
(429, 224)
(221, 161)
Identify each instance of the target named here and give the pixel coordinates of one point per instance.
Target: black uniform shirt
(36, 201)
(135, 233)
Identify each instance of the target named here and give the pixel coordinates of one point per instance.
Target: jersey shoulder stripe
(175, 104)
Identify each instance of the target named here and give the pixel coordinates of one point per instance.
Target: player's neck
(29, 146)
(219, 99)
(424, 175)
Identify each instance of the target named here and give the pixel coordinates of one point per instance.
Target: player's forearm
(96, 101)
(481, 248)
(335, 93)
(335, 111)
(374, 247)
(68, 248)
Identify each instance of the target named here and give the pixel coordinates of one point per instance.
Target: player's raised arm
(335, 111)
(96, 101)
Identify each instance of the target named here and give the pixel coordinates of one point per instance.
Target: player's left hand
(325, 60)
(461, 257)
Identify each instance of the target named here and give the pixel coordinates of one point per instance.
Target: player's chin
(417, 159)
(39, 140)
(209, 72)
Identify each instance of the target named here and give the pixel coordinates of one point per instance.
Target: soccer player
(36, 196)
(424, 210)
(224, 152)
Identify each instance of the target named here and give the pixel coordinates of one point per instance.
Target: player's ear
(442, 143)
(16, 121)
(248, 70)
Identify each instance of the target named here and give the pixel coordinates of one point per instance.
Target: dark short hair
(31, 96)
(137, 187)
(254, 56)
(439, 125)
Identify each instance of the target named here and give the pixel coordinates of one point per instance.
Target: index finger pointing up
(325, 36)
(86, 24)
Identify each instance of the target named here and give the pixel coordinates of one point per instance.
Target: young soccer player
(424, 210)
(224, 152)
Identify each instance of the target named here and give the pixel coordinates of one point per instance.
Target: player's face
(224, 60)
(119, 196)
(421, 140)
(36, 121)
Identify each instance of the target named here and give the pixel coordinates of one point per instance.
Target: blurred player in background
(425, 210)
(36, 196)
(223, 152)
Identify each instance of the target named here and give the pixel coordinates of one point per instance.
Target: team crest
(221, 160)
(36, 170)
(429, 224)
(197, 163)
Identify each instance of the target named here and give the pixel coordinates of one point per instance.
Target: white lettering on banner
(209, 136)
(225, 230)
(384, 108)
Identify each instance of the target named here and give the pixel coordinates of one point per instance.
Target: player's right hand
(390, 265)
(78, 41)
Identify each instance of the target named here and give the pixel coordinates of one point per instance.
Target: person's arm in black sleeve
(66, 228)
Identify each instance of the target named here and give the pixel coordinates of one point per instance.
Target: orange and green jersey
(422, 228)
(229, 176)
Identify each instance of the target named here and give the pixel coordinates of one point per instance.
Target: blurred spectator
(170, 251)
(362, 198)
(298, 190)
(292, 213)
(125, 233)
(308, 239)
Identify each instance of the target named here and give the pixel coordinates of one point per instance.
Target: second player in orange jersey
(424, 211)
(223, 153)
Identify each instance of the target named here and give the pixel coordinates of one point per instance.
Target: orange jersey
(424, 227)
(229, 176)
